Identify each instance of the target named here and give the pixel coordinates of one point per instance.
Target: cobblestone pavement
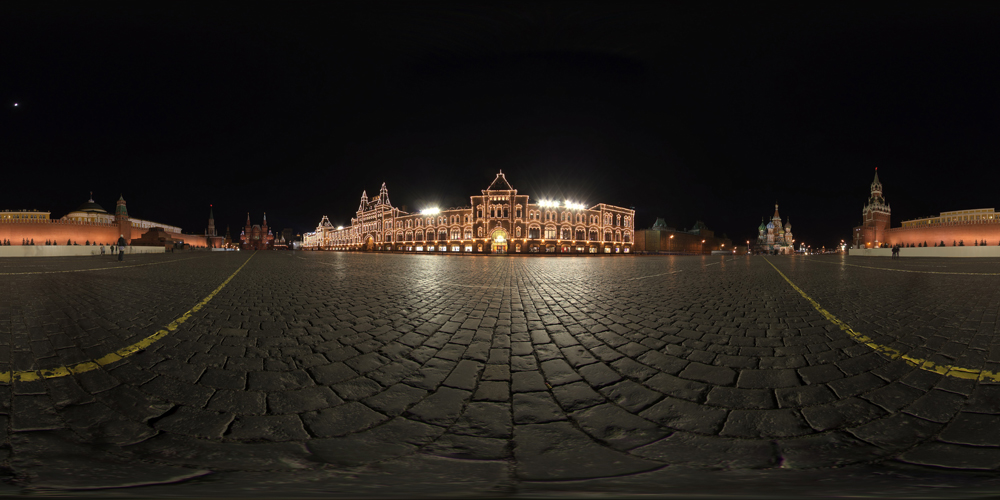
(314, 373)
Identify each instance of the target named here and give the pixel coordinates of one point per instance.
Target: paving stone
(576, 396)
(195, 422)
(833, 449)
(535, 407)
(765, 423)
(178, 450)
(686, 416)
(267, 428)
(396, 399)
(558, 372)
(278, 381)
(894, 396)
(684, 448)
(630, 395)
(356, 389)
(527, 382)
(767, 379)
(557, 451)
(975, 429)
(465, 375)
(238, 402)
(936, 406)
(302, 400)
(599, 374)
(820, 374)
(898, 431)
(953, 456)
(807, 395)
(678, 387)
(442, 407)
(492, 391)
(341, 420)
(715, 375)
(469, 447)
(489, 420)
(616, 427)
(847, 412)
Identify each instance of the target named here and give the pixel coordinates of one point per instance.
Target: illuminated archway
(498, 241)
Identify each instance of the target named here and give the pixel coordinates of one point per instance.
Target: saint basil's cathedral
(773, 238)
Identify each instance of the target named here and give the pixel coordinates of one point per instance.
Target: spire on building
(383, 195)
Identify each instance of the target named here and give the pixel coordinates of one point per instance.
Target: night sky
(698, 111)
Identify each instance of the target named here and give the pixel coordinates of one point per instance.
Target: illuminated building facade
(498, 221)
(256, 237)
(773, 238)
(970, 227)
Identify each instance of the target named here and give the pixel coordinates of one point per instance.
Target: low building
(663, 239)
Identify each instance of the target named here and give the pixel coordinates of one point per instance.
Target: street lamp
(701, 249)
(670, 244)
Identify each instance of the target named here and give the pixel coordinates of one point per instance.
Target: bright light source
(339, 228)
(430, 211)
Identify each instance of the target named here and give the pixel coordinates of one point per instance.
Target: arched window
(517, 213)
(518, 231)
(456, 234)
(534, 232)
(468, 234)
(442, 234)
(479, 212)
(565, 234)
(607, 235)
(550, 232)
(581, 234)
(480, 232)
(626, 237)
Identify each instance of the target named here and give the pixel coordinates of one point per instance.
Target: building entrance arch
(498, 243)
(370, 243)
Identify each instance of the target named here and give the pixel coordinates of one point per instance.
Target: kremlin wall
(950, 234)
(91, 224)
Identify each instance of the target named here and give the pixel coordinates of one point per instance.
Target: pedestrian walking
(102, 249)
(121, 247)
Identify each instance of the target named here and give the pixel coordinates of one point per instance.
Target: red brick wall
(59, 232)
(932, 234)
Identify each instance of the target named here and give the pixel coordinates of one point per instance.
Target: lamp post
(748, 247)
(670, 244)
(701, 249)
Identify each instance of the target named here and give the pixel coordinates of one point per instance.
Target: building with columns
(499, 220)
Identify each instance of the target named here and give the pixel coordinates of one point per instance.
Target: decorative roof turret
(120, 207)
(383, 195)
(500, 184)
(876, 202)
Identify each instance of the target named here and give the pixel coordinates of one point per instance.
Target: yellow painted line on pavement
(124, 352)
(96, 268)
(892, 353)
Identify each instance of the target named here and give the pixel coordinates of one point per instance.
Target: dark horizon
(711, 112)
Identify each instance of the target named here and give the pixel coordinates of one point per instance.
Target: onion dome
(770, 225)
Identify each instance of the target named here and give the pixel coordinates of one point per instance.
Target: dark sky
(689, 111)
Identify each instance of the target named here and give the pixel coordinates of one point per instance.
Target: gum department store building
(498, 221)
